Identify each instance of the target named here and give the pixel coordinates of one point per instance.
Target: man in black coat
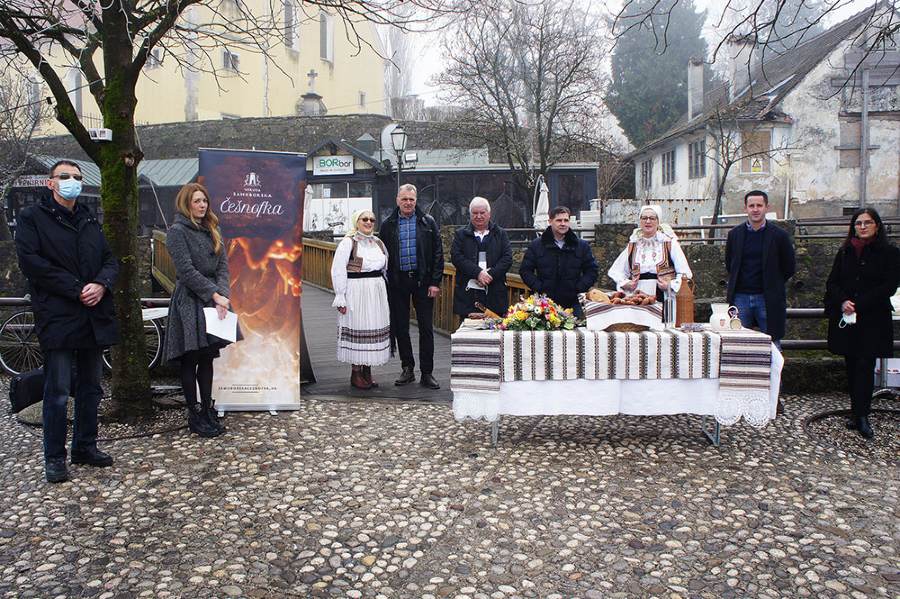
(558, 263)
(71, 272)
(482, 256)
(415, 269)
(759, 258)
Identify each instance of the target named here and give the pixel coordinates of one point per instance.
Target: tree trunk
(5, 234)
(119, 199)
(717, 207)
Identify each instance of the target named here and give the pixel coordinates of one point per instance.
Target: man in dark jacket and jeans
(415, 269)
(71, 272)
(558, 263)
(759, 258)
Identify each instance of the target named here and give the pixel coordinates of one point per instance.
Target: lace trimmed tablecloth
(738, 361)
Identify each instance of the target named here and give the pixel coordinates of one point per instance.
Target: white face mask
(847, 320)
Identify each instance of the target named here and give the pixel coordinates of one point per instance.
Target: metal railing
(19, 302)
(804, 229)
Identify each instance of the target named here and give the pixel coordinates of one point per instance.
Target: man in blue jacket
(558, 263)
(71, 272)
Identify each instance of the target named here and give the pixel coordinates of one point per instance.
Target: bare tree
(528, 77)
(400, 48)
(21, 114)
(774, 26)
(109, 43)
(733, 141)
(612, 174)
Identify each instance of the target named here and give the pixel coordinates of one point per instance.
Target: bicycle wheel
(153, 340)
(19, 347)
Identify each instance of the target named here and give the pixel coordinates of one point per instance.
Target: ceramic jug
(720, 318)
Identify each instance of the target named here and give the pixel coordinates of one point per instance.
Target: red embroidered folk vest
(663, 267)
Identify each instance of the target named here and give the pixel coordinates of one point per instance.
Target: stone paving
(396, 499)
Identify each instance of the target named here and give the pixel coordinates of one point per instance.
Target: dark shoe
(198, 424)
(55, 471)
(428, 381)
(213, 419)
(850, 424)
(406, 377)
(92, 457)
(367, 374)
(864, 428)
(358, 380)
(779, 409)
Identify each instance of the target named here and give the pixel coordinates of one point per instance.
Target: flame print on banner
(258, 197)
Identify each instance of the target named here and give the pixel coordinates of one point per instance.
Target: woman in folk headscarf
(360, 297)
(653, 260)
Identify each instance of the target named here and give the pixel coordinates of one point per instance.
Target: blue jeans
(58, 382)
(752, 312)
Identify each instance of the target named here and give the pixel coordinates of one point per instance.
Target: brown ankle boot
(367, 374)
(357, 379)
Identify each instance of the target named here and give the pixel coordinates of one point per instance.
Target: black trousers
(399, 297)
(861, 383)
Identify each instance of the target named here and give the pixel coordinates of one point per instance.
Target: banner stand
(258, 198)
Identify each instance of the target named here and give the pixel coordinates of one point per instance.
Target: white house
(791, 124)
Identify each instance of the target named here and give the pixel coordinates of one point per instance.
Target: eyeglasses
(366, 219)
(65, 176)
(648, 218)
(864, 223)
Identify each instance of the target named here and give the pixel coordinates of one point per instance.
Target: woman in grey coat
(198, 251)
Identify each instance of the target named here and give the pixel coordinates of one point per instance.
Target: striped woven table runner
(475, 361)
(593, 355)
(597, 309)
(744, 377)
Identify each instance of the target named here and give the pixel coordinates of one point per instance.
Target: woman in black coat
(864, 276)
(476, 282)
(201, 262)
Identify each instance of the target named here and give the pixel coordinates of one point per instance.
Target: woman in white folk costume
(360, 297)
(653, 261)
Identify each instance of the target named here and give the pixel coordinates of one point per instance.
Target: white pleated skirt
(364, 333)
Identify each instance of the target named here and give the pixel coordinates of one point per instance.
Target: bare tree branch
(528, 77)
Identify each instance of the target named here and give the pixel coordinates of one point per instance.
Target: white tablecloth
(603, 397)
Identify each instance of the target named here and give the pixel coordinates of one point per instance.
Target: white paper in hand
(223, 329)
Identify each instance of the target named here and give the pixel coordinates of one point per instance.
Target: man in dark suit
(760, 259)
(415, 269)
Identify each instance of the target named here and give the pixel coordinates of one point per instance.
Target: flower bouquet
(537, 313)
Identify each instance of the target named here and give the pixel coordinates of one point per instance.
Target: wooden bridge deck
(333, 377)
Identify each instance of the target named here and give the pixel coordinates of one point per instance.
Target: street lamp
(398, 142)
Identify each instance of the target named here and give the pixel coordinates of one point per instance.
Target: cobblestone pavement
(396, 499)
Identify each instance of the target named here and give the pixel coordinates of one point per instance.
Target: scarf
(859, 245)
(356, 233)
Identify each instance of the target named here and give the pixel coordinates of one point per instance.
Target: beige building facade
(300, 53)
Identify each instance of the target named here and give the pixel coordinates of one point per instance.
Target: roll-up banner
(258, 197)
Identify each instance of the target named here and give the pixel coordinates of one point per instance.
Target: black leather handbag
(26, 389)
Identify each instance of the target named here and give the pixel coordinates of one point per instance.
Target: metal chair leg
(713, 435)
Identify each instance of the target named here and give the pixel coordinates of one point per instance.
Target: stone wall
(292, 134)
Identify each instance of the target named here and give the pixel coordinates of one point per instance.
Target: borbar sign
(332, 165)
